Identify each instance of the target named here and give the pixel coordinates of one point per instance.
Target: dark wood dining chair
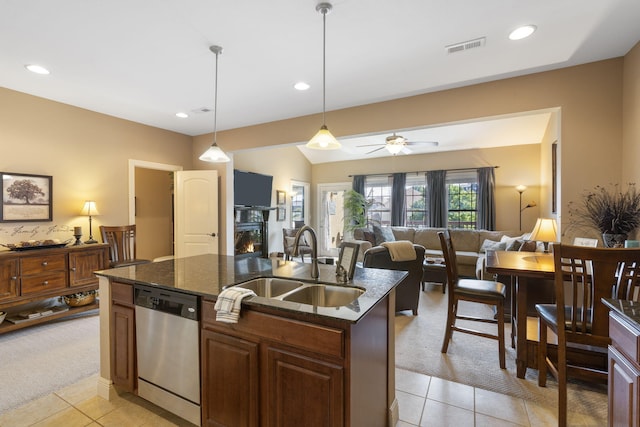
(122, 245)
(473, 290)
(583, 276)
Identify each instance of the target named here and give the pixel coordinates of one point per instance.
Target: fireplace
(251, 235)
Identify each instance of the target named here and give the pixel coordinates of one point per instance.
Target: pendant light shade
(215, 154)
(324, 140)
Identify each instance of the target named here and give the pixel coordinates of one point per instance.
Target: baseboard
(394, 413)
(106, 390)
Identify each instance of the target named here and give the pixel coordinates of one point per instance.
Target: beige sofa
(470, 245)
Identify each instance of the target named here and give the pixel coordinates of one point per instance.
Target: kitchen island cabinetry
(624, 363)
(283, 362)
(123, 336)
(309, 373)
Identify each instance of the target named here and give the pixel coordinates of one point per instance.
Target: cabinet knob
(213, 234)
(14, 277)
(45, 283)
(45, 263)
(72, 269)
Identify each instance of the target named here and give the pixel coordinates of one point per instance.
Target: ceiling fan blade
(432, 143)
(377, 149)
(370, 145)
(406, 150)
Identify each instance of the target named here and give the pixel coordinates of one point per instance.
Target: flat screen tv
(251, 189)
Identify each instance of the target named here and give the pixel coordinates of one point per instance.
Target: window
(462, 196)
(415, 196)
(377, 190)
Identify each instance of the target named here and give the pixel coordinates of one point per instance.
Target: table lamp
(545, 231)
(89, 209)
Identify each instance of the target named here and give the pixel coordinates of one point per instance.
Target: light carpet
(473, 360)
(42, 359)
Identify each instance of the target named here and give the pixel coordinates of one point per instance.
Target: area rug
(473, 360)
(42, 359)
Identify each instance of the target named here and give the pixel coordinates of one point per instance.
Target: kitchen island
(284, 362)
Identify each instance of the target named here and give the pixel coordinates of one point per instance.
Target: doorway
(151, 207)
(331, 217)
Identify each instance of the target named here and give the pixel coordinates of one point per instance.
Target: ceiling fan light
(394, 148)
(214, 155)
(323, 140)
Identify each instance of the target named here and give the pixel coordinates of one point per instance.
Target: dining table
(521, 267)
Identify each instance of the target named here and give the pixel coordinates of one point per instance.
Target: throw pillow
(383, 234)
(491, 245)
(515, 245)
(528, 246)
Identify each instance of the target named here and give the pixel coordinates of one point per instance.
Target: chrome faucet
(314, 249)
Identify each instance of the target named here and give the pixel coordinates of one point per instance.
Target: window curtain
(398, 206)
(486, 199)
(358, 183)
(437, 194)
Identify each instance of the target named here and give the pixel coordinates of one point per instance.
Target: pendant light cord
(324, 66)
(215, 103)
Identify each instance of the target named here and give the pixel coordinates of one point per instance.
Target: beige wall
(631, 117)
(284, 164)
(588, 99)
(86, 153)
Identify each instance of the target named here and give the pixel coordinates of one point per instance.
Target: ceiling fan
(397, 143)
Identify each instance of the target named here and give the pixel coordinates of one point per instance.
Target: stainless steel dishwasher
(168, 350)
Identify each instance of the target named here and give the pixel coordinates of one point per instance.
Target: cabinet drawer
(307, 336)
(625, 337)
(43, 264)
(44, 282)
(122, 293)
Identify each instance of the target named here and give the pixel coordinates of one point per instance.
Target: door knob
(213, 234)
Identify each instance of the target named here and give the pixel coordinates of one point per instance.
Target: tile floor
(423, 400)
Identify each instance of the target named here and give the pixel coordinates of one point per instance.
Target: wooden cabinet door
(82, 264)
(624, 391)
(302, 391)
(123, 347)
(229, 381)
(8, 279)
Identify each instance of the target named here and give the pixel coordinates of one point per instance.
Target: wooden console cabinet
(624, 372)
(40, 274)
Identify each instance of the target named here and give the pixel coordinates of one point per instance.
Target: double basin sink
(318, 294)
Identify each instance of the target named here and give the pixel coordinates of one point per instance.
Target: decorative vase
(611, 240)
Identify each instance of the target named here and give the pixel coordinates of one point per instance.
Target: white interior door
(331, 217)
(196, 213)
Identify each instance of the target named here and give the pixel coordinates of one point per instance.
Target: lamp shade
(545, 230)
(215, 155)
(89, 208)
(323, 140)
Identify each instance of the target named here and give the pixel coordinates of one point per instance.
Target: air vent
(471, 44)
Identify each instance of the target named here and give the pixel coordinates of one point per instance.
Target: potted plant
(614, 212)
(355, 210)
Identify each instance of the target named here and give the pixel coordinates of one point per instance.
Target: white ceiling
(146, 60)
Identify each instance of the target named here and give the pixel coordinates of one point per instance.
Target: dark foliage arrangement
(609, 210)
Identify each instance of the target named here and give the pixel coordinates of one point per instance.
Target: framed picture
(281, 214)
(26, 197)
(348, 257)
(281, 197)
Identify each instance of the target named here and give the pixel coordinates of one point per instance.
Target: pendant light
(215, 154)
(323, 140)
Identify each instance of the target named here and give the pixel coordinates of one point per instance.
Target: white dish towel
(228, 304)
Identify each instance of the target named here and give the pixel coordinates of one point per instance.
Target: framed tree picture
(26, 198)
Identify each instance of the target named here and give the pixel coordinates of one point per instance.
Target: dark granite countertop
(630, 310)
(207, 275)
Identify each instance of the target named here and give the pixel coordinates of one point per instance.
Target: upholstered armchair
(288, 237)
(408, 291)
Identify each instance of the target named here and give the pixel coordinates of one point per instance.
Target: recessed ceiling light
(38, 69)
(522, 32)
(182, 115)
(301, 86)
